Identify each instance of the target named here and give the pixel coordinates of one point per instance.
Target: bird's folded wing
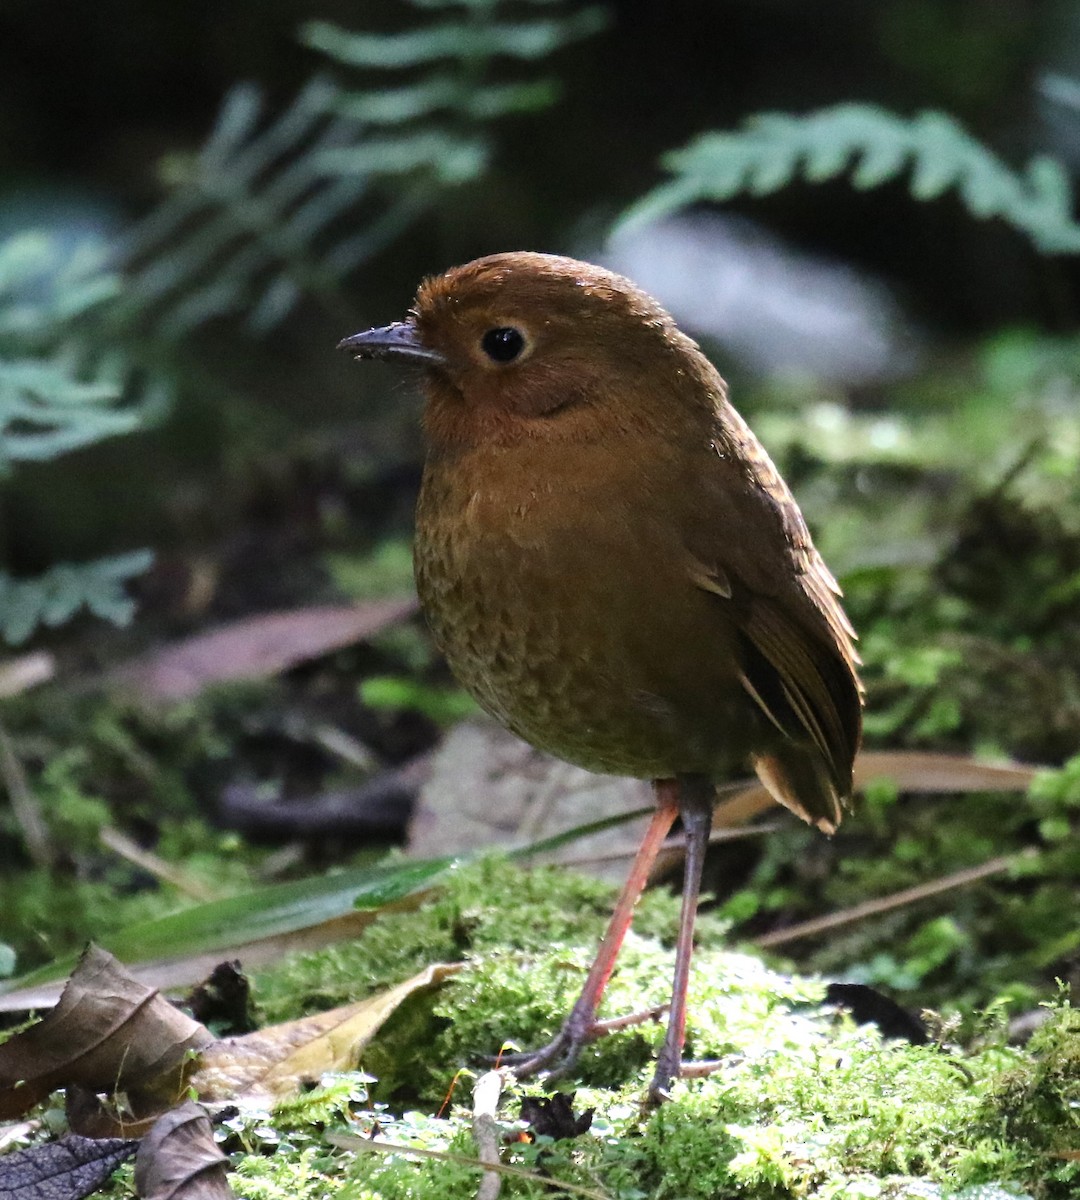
(803, 685)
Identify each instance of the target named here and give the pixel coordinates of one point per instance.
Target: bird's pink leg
(582, 1026)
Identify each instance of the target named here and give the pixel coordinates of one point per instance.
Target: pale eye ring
(503, 344)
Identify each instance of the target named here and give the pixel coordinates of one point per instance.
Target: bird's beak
(400, 340)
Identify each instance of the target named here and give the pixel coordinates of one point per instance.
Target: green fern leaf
(766, 173)
(54, 598)
(717, 162)
(529, 40)
(44, 287)
(871, 147)
(273, 208)
(878, 163)
(396, 106)
(452, 159)
(941, 154)
(58, 390)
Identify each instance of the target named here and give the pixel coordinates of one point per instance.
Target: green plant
(59, 392)
(270, 210)
(870, 146)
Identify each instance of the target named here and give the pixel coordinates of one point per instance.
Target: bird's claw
(555, 1059)
(664, 1076)
(561, 1054)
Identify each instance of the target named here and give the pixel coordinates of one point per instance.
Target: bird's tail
(798, 778)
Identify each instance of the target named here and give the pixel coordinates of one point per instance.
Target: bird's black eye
(504, 344)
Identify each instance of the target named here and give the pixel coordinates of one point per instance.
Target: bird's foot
(666, 1073)
(561, 1054)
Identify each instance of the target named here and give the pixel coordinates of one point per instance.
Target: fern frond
(443, 93)
(47, 410)
(476, 39)
(450, 158)
(250, 202)
(55, 597)
(275, 208)
(58, 391)
(44, 287)
(871, 147)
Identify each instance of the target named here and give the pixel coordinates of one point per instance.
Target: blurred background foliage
(865, 212)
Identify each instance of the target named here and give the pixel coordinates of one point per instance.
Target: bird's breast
(560, 603)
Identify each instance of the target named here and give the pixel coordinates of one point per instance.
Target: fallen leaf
(280, 1059)
(256, 647)
(68, 1169)
(110, 1034)
(910, 770)
(489, 788)
(124, 1115)
(107, 1033)
(179, 1159)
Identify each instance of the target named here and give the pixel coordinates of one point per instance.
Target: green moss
(1035, 1102)
(46, 914)
(492, 905)
(298, 1177)
(805, 1104)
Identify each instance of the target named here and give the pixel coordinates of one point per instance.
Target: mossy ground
(952, 516)
(806, 1104)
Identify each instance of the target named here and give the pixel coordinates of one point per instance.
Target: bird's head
(536, 346)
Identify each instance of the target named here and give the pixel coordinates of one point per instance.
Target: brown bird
(614, 568)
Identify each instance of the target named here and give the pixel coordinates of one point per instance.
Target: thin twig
(347, 1141)
(147, 860)
(25, 806)
(486, 1132)
(871, 908)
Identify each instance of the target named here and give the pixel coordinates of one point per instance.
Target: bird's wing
(798, 660)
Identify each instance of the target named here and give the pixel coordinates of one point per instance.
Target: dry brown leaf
(122, 1037)
(123, 1115)
(179, 1159)
(107, 1033)
(909, 770)
(279, 1060)
(489, 788)
(256, 647)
